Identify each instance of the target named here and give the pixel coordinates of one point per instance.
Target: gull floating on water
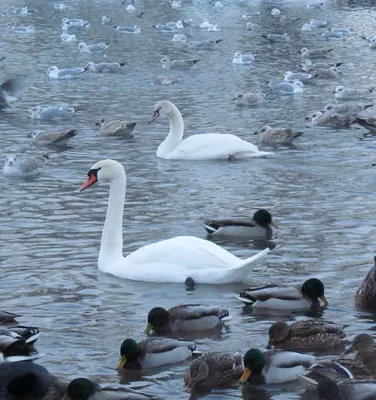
(214, 28)
(46, 138)
(106, 20)
(67, 38)
(67, 73)
(318, 23)
(75, 22)
(27, 166)
(314, 53)
(116, 127)
(347, 93)
(308, 66)
(179, 38)
(242, 59)
(252, 26)
(136, 29)
(329, 34)
(300, 76)
(276, 12)
(50, 113)
(315, 5)
(205, 24)
(203, 44)
(166, 80)
(336, 121)
(92, 48)
(326, 73)
(277, 38)
(277, 136)
(371, 41)
(104, 67)
(249, 99)
(59, 6)
(177, 64)
(286, 87)
(23, 29)
(169, 27)
(346, 109)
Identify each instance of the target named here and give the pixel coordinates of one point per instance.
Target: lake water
(321, 192)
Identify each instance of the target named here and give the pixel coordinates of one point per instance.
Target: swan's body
(171, 260)
(209, 146)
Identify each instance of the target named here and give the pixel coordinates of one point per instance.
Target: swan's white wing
(211, 146)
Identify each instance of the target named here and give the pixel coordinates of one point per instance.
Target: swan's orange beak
(91, 179)
(154, 117)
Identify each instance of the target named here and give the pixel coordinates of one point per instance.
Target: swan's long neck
(112, 235)
(175, 135)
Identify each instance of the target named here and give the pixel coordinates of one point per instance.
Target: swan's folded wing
(237, 221)
(162, 345)
(271, 292)
(193, 311)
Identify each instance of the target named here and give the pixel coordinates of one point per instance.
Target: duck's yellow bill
(274, 224)
(323, 298)
(246, 374)
(148, 329)
(121, 363)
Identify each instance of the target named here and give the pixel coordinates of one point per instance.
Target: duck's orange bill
(246, 374)
(91, 179)
(323, 298)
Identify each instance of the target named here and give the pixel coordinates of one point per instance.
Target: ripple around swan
(320, 192)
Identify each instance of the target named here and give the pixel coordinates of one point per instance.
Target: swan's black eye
(94, 172)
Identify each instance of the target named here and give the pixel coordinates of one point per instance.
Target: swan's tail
(241, 271)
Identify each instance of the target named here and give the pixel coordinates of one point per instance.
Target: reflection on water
(320, 191)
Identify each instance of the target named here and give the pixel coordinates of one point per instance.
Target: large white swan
(171, 260)
(207, 146)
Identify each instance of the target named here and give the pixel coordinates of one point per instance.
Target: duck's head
(163, 107)
(254, 362)
(278, 332)
(157, 318)
(361, 342)
(104, 170)
(328, 390)
(79, 389)
(263, 218)
(313, 289)
(197, 372)
(129, 352)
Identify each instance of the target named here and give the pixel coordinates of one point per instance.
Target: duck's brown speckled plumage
(306, 335)
(365, 348)
(365, 296)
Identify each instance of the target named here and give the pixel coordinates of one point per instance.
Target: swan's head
(198, 371)
(104, 170)
(163, 107)
(80, 388)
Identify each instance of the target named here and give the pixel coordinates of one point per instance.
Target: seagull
(104, 67)
(128, 29)
(92, 48)
(67, 73)
(242, 59)
(249, 99)
(346, 109)
(348, 93)
(336, 121)
(314, 53)
(277, 136)
(300, 76)
(177, 64)
(116, 127)
(277, 38)
(287, 87)
(27, 166)
(67, 38)
(46, 138)
(50, 113)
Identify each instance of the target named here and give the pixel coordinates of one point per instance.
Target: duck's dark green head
(129, 351)
(157, 318)
(254, 362)
(79, 389)
(314, 289)
(263, 218)
(328, 390)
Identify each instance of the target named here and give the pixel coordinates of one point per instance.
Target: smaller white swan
(171, 260)
(207, 146)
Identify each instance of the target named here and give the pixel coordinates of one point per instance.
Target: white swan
(208, 146)
(171, 260)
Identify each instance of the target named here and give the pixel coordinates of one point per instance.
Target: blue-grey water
(321, 192)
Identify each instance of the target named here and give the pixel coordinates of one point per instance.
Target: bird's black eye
(94, 172)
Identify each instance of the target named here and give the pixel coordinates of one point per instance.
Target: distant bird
(177, 64)
(92, 48)
(50, 113)
(27, 166)
(45, 138)
(252, 26)
(336, 121)
(287, 88)
(348, 93)
(66, 73)
(203, 44)
(74, 23)
(117, 127)
(249, 99)
(277, 38)
(67, 38)
(104, 67)
(314, 53)
(371, 41)
(368, 123)
(319, 23)
(136, 29)
(106, 20)
(365, 296)
(325, 73)
(168, 28)
(277, 136)
(9, 90)
(242, 59)
(259, 226)
(166, 80)
(346, 109)
(297, 76)
(307, 65)
(23, 29)
(17, 341)
(205, 24)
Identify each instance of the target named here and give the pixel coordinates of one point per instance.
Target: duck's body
(213, 369)
(274, 297)
(257, 227)
(154, 352)
(171, 260)
(17, 341)
(273, 367)
(186, 318)
(365, 296)
(306, 335)
(365, 348)
(209, 146)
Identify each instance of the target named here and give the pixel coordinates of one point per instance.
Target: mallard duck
(273, 366)
(7, 317)
(18, 340)
(347, 389)
(186, 318)
(306, 335)
(213, 369)
(85, 389)
(256, 227)
(275, 297)
(153, 352)
(365, 296)
(365, 348)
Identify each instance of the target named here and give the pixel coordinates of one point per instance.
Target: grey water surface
(321, 192)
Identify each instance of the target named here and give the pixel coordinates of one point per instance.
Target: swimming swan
(208, 146)
(171, 260)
